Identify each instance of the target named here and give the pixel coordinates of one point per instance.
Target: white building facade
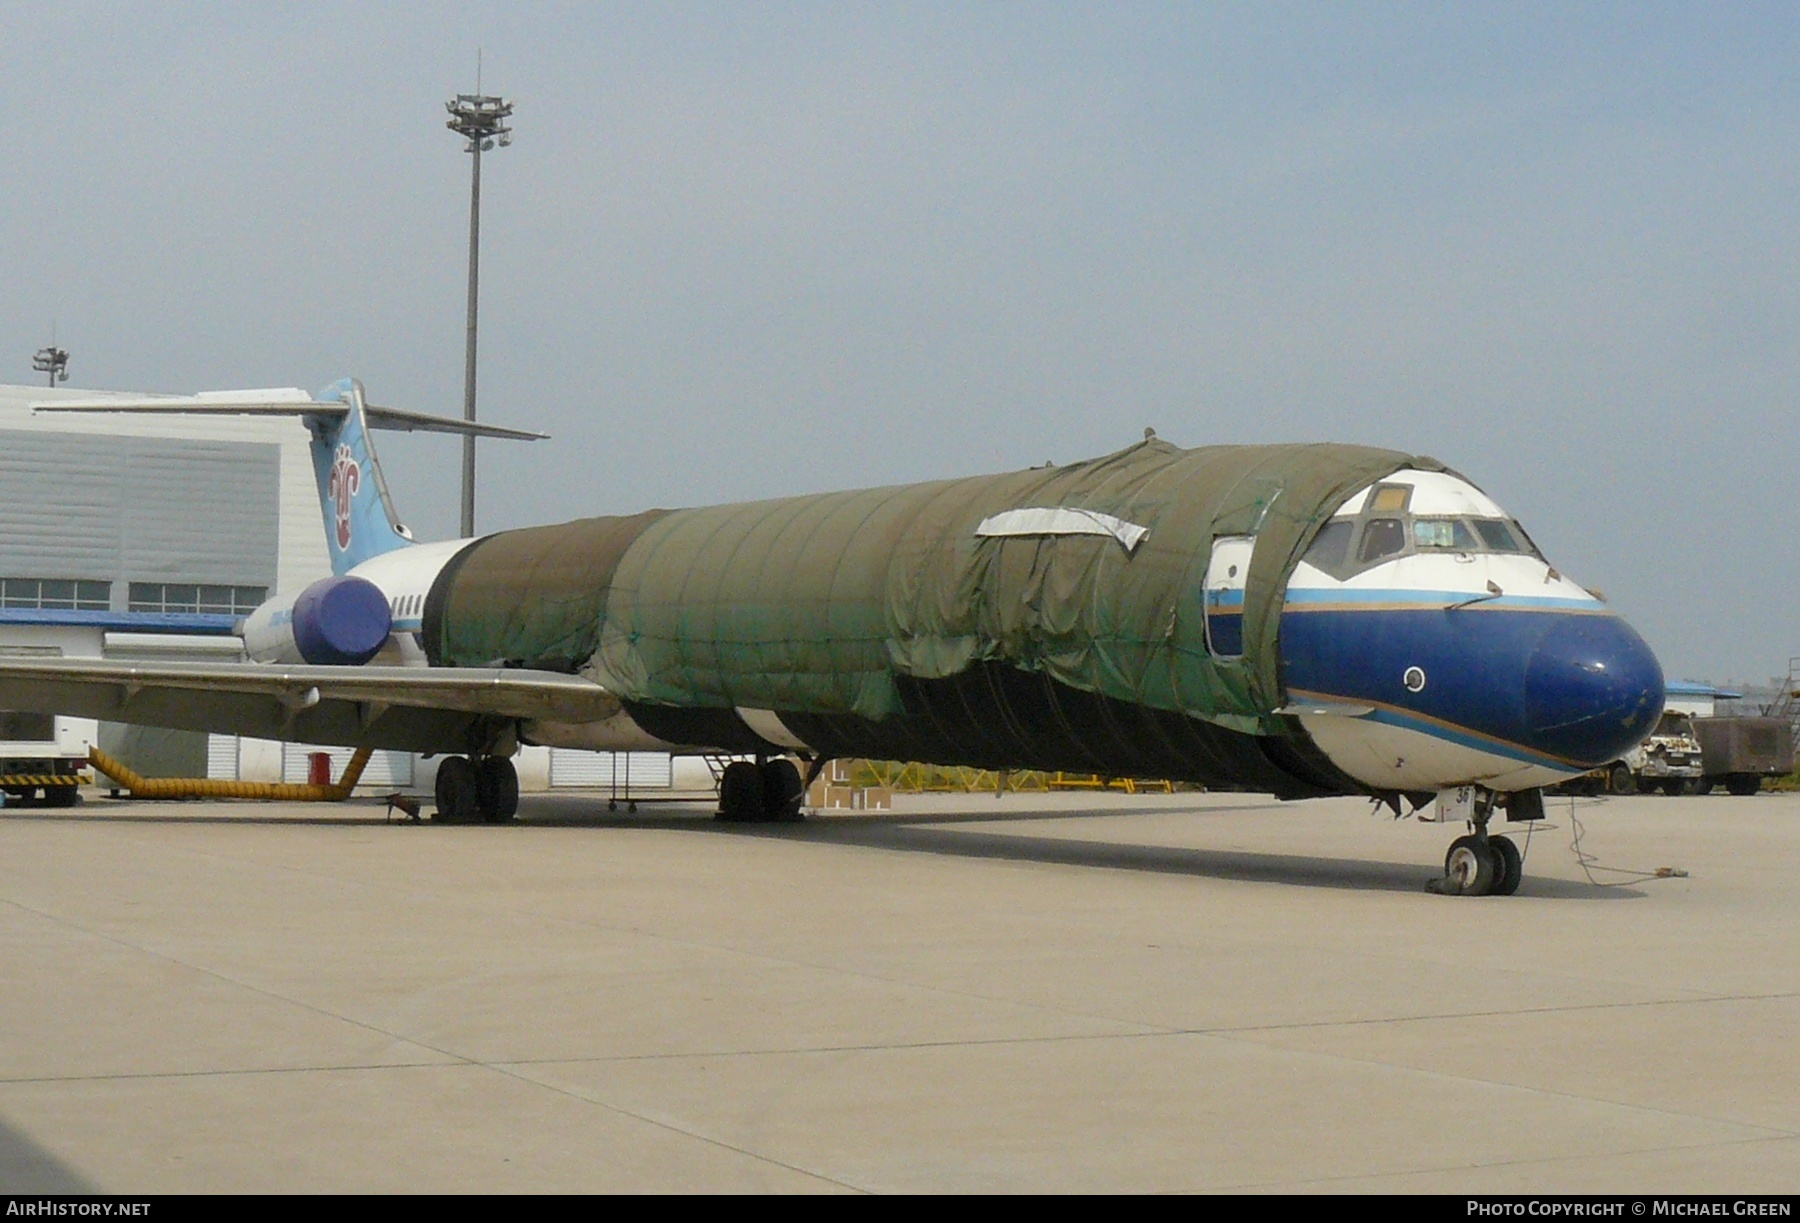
(149, 537)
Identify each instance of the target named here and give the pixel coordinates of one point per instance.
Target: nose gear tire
(1471, 868)
(1511, 866)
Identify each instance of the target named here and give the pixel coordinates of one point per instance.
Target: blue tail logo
(359, 515)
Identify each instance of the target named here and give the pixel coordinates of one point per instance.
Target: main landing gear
(1483, 865)
(761, 792)
(485, 787)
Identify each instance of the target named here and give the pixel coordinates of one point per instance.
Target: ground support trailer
(1739, 752)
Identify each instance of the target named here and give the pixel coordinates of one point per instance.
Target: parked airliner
(1300, 620)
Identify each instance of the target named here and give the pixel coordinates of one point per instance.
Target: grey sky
(740, 251)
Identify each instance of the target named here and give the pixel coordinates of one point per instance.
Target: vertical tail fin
(359, 514)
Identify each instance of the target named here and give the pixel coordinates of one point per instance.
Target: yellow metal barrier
(1093, 781)
(203, 787)
(912, 778)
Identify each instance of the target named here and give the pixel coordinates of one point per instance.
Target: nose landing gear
(1470, 867)
(1479, 864)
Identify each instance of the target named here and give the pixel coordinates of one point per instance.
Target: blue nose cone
(1593, 689)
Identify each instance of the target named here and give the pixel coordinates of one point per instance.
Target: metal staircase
(1786, 704)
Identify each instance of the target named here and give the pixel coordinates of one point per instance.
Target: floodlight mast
(480, 119)
(53, 361)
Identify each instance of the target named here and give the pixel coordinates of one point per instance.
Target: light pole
(481, 121)
(53, 361)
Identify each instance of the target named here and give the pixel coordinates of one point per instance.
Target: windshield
(1444, 533)
(1382, 537)
(1502, 536)
(1347, 545)
(1675, 724)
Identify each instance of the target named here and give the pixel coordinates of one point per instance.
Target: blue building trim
(123, 622)
(1693, 688)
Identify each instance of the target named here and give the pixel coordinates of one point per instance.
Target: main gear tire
(741, 793)
(496, 789)
(783, 791)
(456, 791)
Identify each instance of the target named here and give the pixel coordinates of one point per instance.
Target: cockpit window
(1497, 536)
(1382, 537)
(1391, 498)
(1331, 546)
(1525, 543)
(1382, 532)
(1451, 533)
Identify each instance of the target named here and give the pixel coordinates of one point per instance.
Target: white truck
(1669, 760)
(42, 757)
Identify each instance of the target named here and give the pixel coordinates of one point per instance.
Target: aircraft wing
(428, 709)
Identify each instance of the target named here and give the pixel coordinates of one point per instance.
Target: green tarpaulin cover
(814, 604)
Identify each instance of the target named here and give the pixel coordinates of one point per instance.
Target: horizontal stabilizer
(409, 422)
(211, 405)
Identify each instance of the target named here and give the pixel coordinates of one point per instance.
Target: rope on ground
(1590, 862)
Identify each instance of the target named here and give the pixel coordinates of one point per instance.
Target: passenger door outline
(1226, 573)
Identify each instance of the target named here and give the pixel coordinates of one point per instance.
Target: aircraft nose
(1593, 689)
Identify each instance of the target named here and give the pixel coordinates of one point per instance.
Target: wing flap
(404, 708)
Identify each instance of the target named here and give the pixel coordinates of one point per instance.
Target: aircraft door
(1225, 574)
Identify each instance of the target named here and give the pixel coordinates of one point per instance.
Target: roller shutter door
(384, 769)
(641, 770)
(222, 757)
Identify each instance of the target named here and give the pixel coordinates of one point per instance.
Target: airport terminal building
(150, 537)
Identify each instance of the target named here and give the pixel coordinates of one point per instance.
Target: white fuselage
(405, 576)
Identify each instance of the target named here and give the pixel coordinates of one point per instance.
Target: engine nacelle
(335, 622)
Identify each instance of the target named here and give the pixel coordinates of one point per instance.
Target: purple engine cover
(341, 622)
